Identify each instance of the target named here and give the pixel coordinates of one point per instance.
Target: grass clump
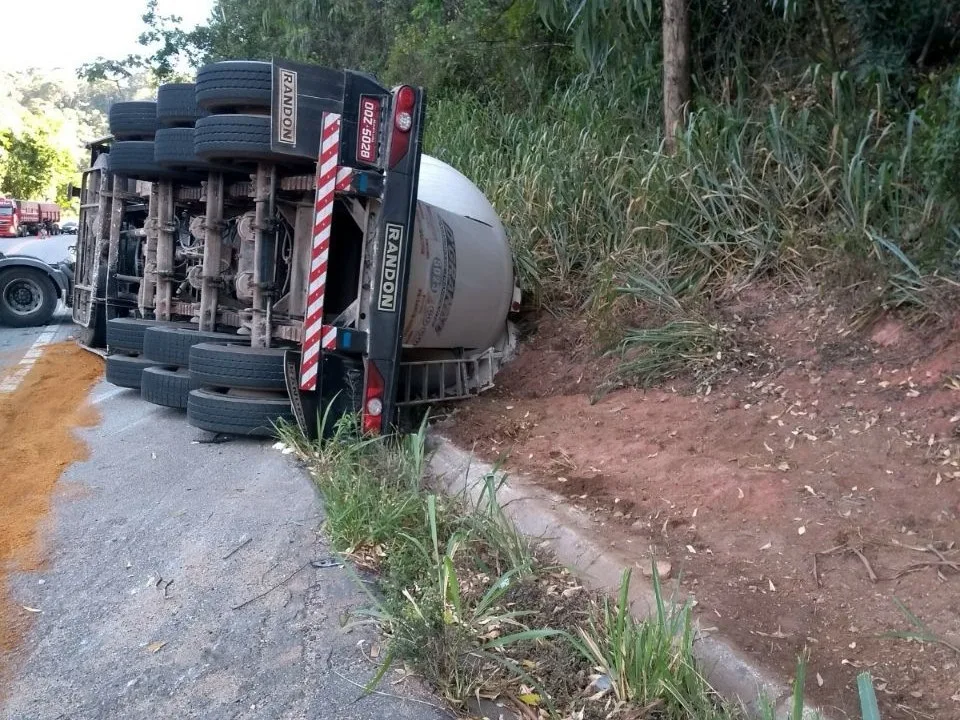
(650, 663)
(464, 600)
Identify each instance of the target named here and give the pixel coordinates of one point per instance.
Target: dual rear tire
(242, 389)
(224, 385)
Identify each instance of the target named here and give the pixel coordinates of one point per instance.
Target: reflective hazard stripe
(329, 341)
(314, 335)
(344, 178)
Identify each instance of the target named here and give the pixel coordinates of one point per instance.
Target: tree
(602, 28)
(31, 166)
(676, 68)
(167, 44)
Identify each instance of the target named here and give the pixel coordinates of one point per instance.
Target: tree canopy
(45, 118)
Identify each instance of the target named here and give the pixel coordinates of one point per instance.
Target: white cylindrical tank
(461, 269)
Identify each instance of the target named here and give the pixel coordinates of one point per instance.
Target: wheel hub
(23, 296)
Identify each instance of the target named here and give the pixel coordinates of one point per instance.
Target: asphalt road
(179, 584)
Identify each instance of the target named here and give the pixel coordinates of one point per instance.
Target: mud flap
(305, 404)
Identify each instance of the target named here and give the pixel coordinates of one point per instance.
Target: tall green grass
(829, 176)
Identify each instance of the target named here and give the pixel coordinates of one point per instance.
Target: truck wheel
(237, 413)
(232, 366)
(126, 370)
(27, 297)
(167, 386)
(133, 120)
(171, 345)
(177, 105)
(234, 84)
(173, 149)
(237, 137)
(127, 333)
(135, 159)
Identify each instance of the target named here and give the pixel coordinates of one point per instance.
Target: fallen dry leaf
(530, 699)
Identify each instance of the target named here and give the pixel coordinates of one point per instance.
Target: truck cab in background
(28, 217)
(9, 218)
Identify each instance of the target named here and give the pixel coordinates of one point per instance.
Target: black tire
(126, 370)
(177, 105)
(126, 334)
(135, 159)
(28, 297)
(232, 366)
(232, 138)
(237, 414)
(167, 386)
(173, 150)
(171, 345)
(133, 120)
(234, 84)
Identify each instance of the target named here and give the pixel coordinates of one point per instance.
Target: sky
(68, 33)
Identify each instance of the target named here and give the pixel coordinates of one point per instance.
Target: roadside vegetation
(815, 145)
(469, 605)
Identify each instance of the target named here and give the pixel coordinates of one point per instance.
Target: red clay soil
(843, 446)
(36, 445)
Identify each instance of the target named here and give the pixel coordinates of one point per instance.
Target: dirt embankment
(800, 501)
(37, 443)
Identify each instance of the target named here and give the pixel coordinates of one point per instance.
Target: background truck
(26, 217)
(270, 241)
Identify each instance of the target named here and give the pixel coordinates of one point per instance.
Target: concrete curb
(565, 532)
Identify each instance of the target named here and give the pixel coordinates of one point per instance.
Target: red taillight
(372, 415)
(403, 108)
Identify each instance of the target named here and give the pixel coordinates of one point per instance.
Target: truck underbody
(248, 256)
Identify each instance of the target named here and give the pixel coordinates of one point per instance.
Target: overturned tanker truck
(269, 243)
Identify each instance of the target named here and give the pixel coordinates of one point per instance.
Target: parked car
(69, 227)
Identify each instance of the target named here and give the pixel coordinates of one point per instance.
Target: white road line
(107, 395)
(12, 381)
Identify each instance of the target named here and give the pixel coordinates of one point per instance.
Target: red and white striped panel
(329, 341)
(344, 178)
(315, 335)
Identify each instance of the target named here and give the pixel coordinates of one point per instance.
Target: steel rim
(23, 296)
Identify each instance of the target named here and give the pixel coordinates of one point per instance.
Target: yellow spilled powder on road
(37, 443)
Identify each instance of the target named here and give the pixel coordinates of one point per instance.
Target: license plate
(368, 137)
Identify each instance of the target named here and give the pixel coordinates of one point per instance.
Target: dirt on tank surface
(810, 503)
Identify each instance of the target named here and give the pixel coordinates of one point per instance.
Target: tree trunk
(676, 68)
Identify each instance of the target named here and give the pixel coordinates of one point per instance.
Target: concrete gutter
(566, 533)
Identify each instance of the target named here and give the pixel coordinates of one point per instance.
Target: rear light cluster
(403, 109)
(372, 416)
(404, 103)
